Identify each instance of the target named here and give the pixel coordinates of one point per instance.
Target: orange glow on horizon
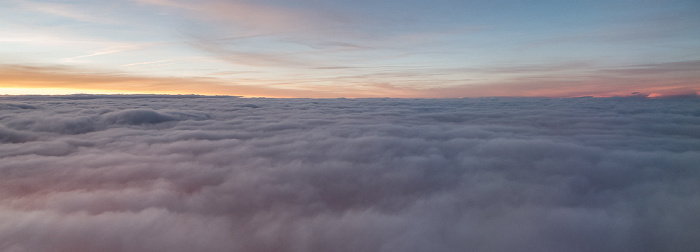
(71, 91)
(61, 91)
(19, 80)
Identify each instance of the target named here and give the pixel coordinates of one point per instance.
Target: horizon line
(165, 95)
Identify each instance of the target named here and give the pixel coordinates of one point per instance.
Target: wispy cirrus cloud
(110, 50)
(583, 79)
(440, 48)
(273, 34)
(251, 17)
(68, 10)
(656, 80)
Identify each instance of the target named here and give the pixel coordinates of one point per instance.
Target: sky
(358, 48)
(217, 173)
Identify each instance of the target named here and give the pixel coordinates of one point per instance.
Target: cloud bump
(187, 173)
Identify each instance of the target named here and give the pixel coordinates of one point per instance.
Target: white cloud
(187, 173)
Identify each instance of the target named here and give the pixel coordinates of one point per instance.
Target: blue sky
(351, 48)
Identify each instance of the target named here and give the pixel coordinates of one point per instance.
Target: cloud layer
(188, 173)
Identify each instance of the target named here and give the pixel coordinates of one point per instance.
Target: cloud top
(147, 173)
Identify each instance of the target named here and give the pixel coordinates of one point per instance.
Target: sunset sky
(358, 48)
